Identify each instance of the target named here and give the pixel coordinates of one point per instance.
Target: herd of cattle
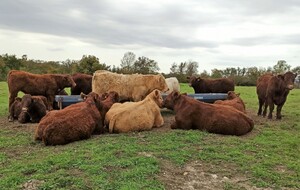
(118, 103)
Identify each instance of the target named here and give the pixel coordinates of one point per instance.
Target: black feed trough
(66, 100)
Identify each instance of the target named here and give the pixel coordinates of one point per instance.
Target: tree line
(130, 64)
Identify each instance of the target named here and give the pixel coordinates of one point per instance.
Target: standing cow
(173, 84)
(83, 84)
(133, 87)
(35, 84)
(273, 89)
(221, 85)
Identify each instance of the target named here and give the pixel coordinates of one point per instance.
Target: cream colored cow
(136, 116)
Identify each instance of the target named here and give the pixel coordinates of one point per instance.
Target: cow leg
(271, 108)
(278, 111)
(50, 102)
(265, 109)
(261, 103)
(12, 97)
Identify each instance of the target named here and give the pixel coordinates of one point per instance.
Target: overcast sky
(215, 33)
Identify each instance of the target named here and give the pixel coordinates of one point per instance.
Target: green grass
(268, 156)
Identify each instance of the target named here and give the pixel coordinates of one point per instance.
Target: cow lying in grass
(233, 100)
(136, 116)
(28, 109)
(75, 122)
(214, 118)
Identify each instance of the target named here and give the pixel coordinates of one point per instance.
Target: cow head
(171, 99)
(113, 96)
(156, 96)
(193, 80)
(93, 99)
(26, 103)
(15, 109)
(289, 79)
(162, 83)
(69, 82)
(231, 95)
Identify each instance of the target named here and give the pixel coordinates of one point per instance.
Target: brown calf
(233, 100)
(46, 85)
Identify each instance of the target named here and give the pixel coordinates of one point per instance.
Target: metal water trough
(66, 100)
(206, 97)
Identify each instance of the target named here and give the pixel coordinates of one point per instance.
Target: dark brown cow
(214, 118)
(273, 89)
(33, 108)
(46, 85)
(83, 84)
(233, 100)
(15, 109)
(221, 85)
(28, 108)
(75, 122)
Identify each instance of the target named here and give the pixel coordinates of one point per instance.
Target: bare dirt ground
(192, 176)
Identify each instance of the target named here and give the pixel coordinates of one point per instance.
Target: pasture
(267, 158)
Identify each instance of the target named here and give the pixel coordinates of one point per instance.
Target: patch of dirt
(199, 175)
(32, 184)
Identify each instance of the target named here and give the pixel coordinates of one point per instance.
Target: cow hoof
(10, 120)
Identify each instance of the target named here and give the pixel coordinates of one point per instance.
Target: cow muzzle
(290, 87)
(24, 109)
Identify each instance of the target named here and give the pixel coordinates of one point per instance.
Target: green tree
(11, 61)
(191, 68)
(174, 68)
(296, 70)
(216, 73)
(127, 62)
(281, 67)
(89, 64)
(145, 65)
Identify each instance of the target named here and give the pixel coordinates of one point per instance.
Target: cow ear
(18, 99)
(83, 96)
(156, 93)
(280, 77)
(198, 79)
(176, 94)
(104, 96)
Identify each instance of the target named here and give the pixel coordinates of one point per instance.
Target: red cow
(28, 109)
(46, 85)
(33, 108)
(214, 118)
(273, 89)
(83, 84)
(221, 85)
(233, 100)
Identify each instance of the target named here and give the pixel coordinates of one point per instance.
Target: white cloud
(215, 33)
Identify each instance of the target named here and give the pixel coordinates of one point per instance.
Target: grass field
(268, 157)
